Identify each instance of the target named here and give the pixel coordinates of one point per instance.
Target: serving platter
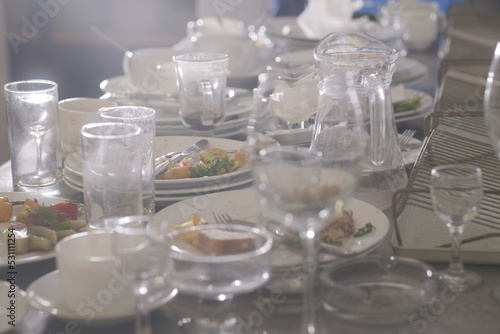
(29, 257)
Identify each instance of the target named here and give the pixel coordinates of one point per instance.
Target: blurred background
(79, 43)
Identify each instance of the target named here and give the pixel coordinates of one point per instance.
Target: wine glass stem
(38, 143)
(456, 266)
(310, 264)
(142, 320)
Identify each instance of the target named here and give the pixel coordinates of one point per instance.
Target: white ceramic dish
(44, 295)
(11, 295)
(240, 204)
(73, 167)
(30, 256)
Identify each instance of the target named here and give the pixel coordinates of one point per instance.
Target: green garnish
(330, 241)
(409, 104)
(364, 230)
(48, 217)
(215, 167)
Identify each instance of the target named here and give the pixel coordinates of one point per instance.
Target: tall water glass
(31, 108)
(202, 77)
(145, 118)
(112, 165)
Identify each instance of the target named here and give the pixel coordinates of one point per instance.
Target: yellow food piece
(21, 238)
(64, 233)
(5, 209)
(212, 152)
(37, 243)
(43, 232)
(28, 205)
(192, 236)
(240, 158)
(176, 173)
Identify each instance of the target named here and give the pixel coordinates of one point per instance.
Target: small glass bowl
(377, 289)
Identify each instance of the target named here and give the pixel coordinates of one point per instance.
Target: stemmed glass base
(465, 281)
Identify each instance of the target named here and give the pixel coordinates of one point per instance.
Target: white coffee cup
(151, 70)
(74, 113)
(89, 282)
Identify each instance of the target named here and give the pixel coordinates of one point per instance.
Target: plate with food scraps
(408, 102)
(37, 244)
(184, 179)
(370, 225)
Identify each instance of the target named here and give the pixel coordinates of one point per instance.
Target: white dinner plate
(44, 294)
(30, 256)
(240, 204)
(11, 295)
(165, 144)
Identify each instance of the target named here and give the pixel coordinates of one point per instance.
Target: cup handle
(376, 97)
(207, 116)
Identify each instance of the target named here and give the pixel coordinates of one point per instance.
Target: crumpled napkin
(295, 102)
(322, 17)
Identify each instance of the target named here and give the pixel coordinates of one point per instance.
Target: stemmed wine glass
(492, 115)
(140, 255)
(303, 188)
(35, 103)
(215, 262)
(456, 192)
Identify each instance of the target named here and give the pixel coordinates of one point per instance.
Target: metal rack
(455, 133)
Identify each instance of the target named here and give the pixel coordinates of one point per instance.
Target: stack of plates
(169, 191)
(168, 123)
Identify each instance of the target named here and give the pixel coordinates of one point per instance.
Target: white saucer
(44, 294)
(11, 295)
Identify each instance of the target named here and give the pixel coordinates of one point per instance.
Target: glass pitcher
(370, 65)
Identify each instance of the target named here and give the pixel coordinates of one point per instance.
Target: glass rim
(133, 130)
(191, 57)
(456, 167)
(103, 112)
(51, 85)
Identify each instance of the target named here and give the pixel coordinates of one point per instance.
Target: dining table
(451, 312)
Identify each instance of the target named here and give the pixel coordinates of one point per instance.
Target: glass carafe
(370, 65)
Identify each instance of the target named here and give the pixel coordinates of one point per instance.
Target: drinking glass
(145, 118)
(215, 262)
(456, 192)
(492, 115)
(202, 78)
(112, 166)
(31, 108)
(140, 255)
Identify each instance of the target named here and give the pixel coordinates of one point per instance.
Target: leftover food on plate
(412, 103)
(209, 162)
(35, 227)
(215, 241)
(343, 227)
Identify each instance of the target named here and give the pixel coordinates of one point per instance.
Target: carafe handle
(376, 98)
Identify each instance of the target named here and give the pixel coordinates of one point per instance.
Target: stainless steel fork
(406, 137)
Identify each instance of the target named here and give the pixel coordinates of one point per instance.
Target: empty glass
(35, 152)
(456, 192)
(202, 80)
(145, 118)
